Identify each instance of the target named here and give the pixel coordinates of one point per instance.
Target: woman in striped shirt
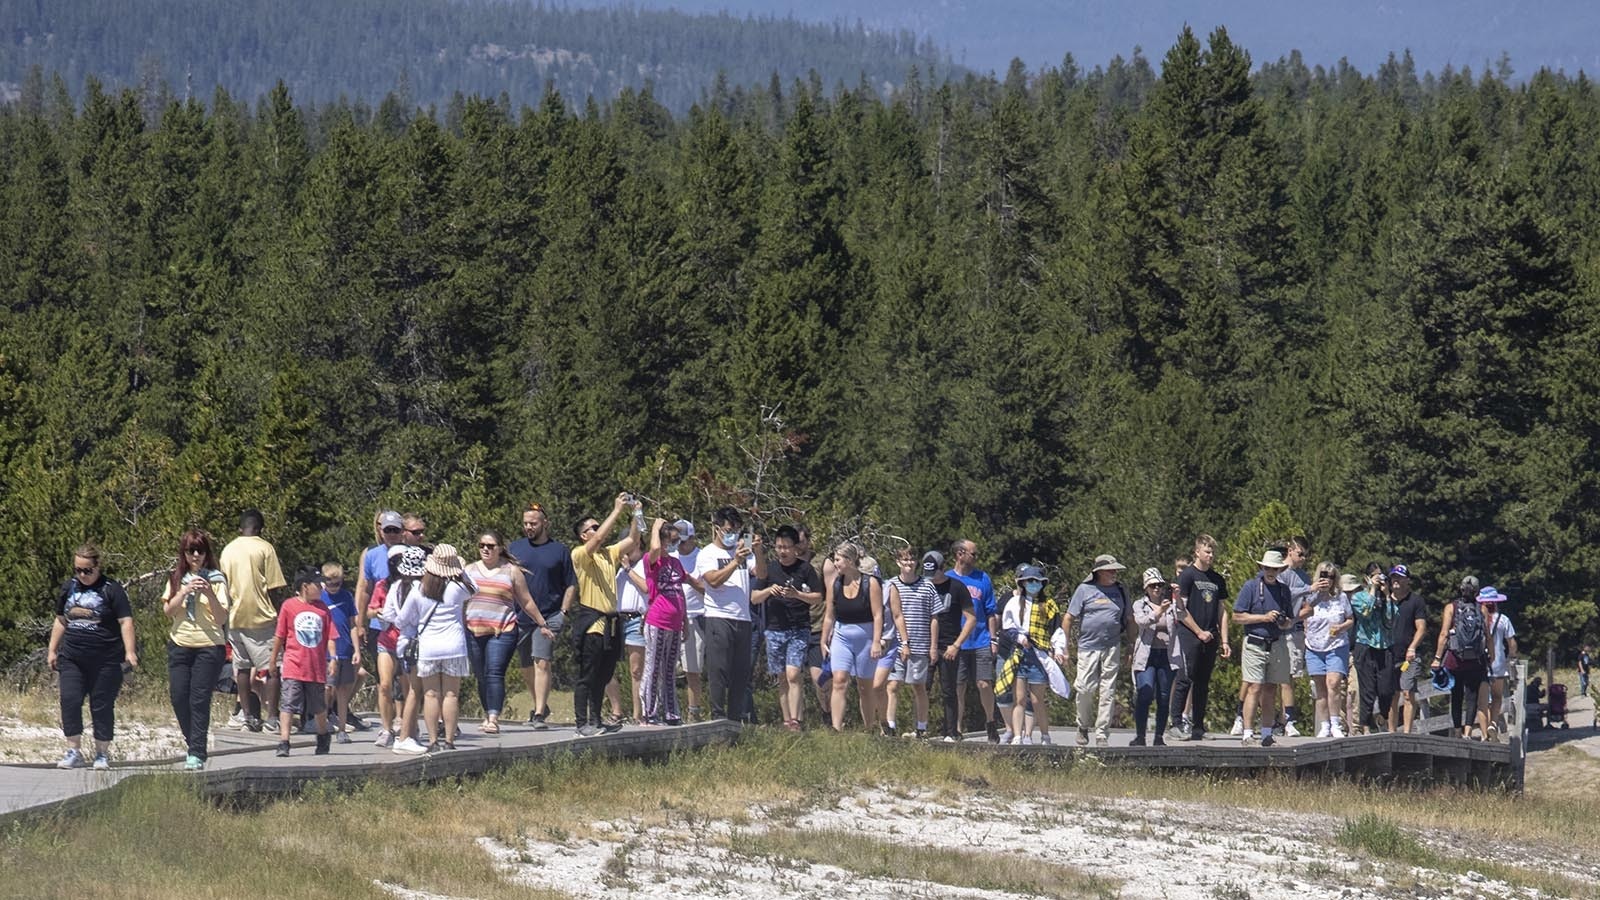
(491, 618)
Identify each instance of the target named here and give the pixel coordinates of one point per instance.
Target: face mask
(1032, 587)
(730, 540)
(670, 547)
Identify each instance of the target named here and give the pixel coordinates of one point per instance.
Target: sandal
(490, 728)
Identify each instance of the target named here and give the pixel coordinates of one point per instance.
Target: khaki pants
(1096, 687)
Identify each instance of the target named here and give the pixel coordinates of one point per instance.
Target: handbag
(414, 648)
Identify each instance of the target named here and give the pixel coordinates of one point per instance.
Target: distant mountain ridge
(430, 49)
(987, 34)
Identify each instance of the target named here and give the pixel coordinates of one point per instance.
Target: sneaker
(674, 723)
(948, 739)
(921, 734)
(1045, 738)
(236, 721)
(1003, 737)
(587, 730)
(1326, 730)
(1138, 740)
(193, 763)
(358, 723)
(1250, 740)
(1267, 740)
(102, 761)
(1494, 735)
(1016, 741)
(994, 733)
(611, 727)
(1186, 724)
(1238, 726)
(409, 745)
(1102, 742)
(1027, 740)
(72, 759)
(253, 724)
(1336, 729)
(695, 713)
(1194, 736)
(885, 729)
(538, 722)
(1083, 737)
(324, 744)
(341, 737)
(385, 740)
(1289, 730)
(283, 748)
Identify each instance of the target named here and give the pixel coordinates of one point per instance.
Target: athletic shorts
(891, 652)
(252, 647)
(1328, 662)
(787, 649)
(532, 645)
(1413, 677)
(814, 658)
(975, 665)
(850, 650)
(911, 670)
(344, 673)
(304, 697)
(694, 645)
(1263, 666)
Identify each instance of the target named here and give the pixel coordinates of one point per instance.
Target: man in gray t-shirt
(1101, 608)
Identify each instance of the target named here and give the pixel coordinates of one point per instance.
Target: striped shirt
(917, 601)
(492, 608)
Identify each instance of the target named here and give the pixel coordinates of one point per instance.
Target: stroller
(1556, 710)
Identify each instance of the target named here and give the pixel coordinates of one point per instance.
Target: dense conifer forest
(1061, 311)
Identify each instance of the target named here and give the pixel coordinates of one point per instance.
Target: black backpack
(1467, 634)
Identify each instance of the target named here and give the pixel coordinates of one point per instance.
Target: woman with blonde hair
(852, 633)
(1329, 617)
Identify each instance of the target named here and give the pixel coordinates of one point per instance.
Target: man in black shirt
(790, 591)
(953, 622)
(1410, 625)
(1204, 632)
(547, 566)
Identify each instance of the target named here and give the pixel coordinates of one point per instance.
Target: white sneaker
(1336, 730)
(1289, 730)
(1325, 730)
(1027, 740)
(385, 740)
(236, 721)
(1006, 737)
(409, 745)
(1238, 726)
(1015, 742)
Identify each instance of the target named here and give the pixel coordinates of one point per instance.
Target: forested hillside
(427, 50)
(1062, 312)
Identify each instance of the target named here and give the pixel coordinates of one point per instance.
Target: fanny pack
(1259, 641)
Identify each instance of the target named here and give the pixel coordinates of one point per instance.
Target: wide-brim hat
(1349, 581)
(1273, 559)
(1153, 575)
(413, 559)
(444, 562)
(1107, 562)
(1490, 595)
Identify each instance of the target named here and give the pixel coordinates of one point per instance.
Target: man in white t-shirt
(723, 574)
(694, 641)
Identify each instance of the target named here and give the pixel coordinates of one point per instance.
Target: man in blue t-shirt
(547, 566)
(1265, 609)
(975, 660)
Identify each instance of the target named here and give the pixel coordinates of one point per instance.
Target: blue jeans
(490, 656)
(1154, 682)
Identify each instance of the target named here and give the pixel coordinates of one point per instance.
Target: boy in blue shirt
(346, 653)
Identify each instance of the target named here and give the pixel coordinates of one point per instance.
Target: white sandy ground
(1155, 849)
(21, 742)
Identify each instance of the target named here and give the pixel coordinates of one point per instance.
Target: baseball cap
(308, 576)
(685, 528)
(1400, 572)
(932, 562)
(390, 519)
(1030, 573)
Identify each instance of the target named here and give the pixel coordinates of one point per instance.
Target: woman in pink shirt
(663, 626)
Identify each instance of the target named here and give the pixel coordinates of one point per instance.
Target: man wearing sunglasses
(547, 566)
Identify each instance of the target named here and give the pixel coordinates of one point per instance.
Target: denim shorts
(1328, 662)
(633, 631)
(1030, 671)
(787, 649)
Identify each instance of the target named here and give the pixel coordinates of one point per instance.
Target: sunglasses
(487, 546)
(199, 550)
(419, 532)
(391, 530)
(77, 570)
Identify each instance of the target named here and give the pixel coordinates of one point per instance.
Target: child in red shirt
(303, 642)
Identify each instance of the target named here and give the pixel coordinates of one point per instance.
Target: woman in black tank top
(852, 633)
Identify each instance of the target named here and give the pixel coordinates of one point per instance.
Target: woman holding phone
(197, 602)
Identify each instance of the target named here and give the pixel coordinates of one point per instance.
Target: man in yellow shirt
(250, 565)
(596, 629)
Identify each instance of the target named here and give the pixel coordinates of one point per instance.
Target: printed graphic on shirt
(85, 610)
(1208, 592)
(308, 629)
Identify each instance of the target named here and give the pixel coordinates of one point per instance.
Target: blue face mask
(730, 540)
(1032, 587)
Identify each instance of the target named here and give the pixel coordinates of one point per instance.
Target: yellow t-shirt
(251, 567)
(597, 580)
(194, 627)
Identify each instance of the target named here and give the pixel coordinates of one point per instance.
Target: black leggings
(1464, 695)
(597, 665)
(97, 677)
(192, 676)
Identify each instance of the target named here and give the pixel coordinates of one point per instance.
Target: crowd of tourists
(419, 620)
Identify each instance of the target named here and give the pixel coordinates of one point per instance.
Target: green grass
(1382, 839)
